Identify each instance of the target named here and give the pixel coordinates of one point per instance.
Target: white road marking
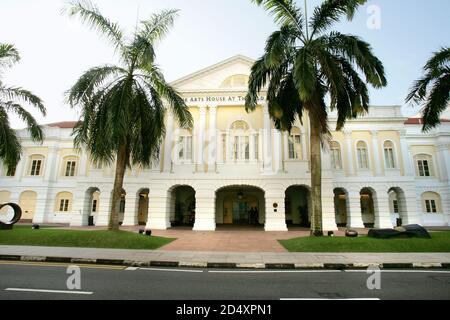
(399, 271)
(131, 269)
(50, 291)
(171, 270)
(278, 271)
(311, 299)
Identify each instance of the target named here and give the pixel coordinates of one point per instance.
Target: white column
(201, 139)
(158, 210)
(304, 147)
(376, 153)
(21, 167)
(349, 147)
(81, 209)
(277, 152)
(444, 161)
(267, 140)
(406, 156)
(354, 215)
(212, 150)
(275, 217)
(51, 164)
(205, 209)
(168, 143)
(286, 146)
(261, 149)
(252, 146)
(409, 205)
(382, 210)
(104, 208)
(328, 213)
(83, 166)
(228, 147)
(41, 206)
(131, 209)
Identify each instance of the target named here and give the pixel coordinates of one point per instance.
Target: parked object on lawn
(409, 231)
(8, 225)
(351, 233)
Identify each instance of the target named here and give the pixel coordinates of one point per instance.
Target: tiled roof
(63, 125)
(420, 121)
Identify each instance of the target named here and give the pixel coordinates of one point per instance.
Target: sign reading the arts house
(219, 99)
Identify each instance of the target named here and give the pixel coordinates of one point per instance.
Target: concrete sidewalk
(226, 259)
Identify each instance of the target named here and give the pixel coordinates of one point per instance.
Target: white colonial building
(236, 168)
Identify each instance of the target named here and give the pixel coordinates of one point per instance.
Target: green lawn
(49, 237)
(439, 243)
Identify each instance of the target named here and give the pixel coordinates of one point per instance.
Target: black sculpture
(14, 220)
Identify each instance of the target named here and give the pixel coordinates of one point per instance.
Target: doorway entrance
(240, 206)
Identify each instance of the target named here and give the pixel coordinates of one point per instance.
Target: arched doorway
(122, 206)
(298, 206)
(240, 205)
(368, 197)
(341, 207)
(397, 206)
(143, 207)
(92, 205)
(183, 206)
(27, 201)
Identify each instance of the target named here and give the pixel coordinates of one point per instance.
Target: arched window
(336, 158)
(236, 81)
(70, 166)
(240, 140)
(36, 165)
(431, 203)
(362, 154)
(295, 144)
(63, 202)
(185, 145)
(424, 165)
(389, 155)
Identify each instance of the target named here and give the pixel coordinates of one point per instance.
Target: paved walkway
(227, 239)
(227, 257)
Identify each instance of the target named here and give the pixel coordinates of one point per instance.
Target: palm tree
(302, 65)
(10, 102)
(122, 108)
(433, 90)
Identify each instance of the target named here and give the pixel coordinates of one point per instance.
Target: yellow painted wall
(4, 198)
(27, 202)
(226, 115)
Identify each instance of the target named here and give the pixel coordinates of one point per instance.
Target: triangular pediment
(229, 75)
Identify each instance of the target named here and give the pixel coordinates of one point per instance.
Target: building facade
(234, 167)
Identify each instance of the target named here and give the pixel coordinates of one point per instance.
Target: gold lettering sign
(227, 99)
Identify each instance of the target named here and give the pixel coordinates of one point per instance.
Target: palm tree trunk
(118, 187)
(316, 179)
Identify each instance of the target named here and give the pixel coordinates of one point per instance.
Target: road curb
(229, 265)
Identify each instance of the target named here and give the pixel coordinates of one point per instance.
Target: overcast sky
(57, 49)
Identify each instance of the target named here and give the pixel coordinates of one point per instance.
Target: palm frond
(9, 55)
(19, 94)
(358, 52)
(284, 12)
(305, 74)
(159, 24)
(10, 147)
(155, 81)
(439, 59)
(90, 14)
(279, 46)
(437, 102)
(90, 81)
(330, 11)
(33, 127)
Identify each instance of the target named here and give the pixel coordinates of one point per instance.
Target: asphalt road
(30, 281)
